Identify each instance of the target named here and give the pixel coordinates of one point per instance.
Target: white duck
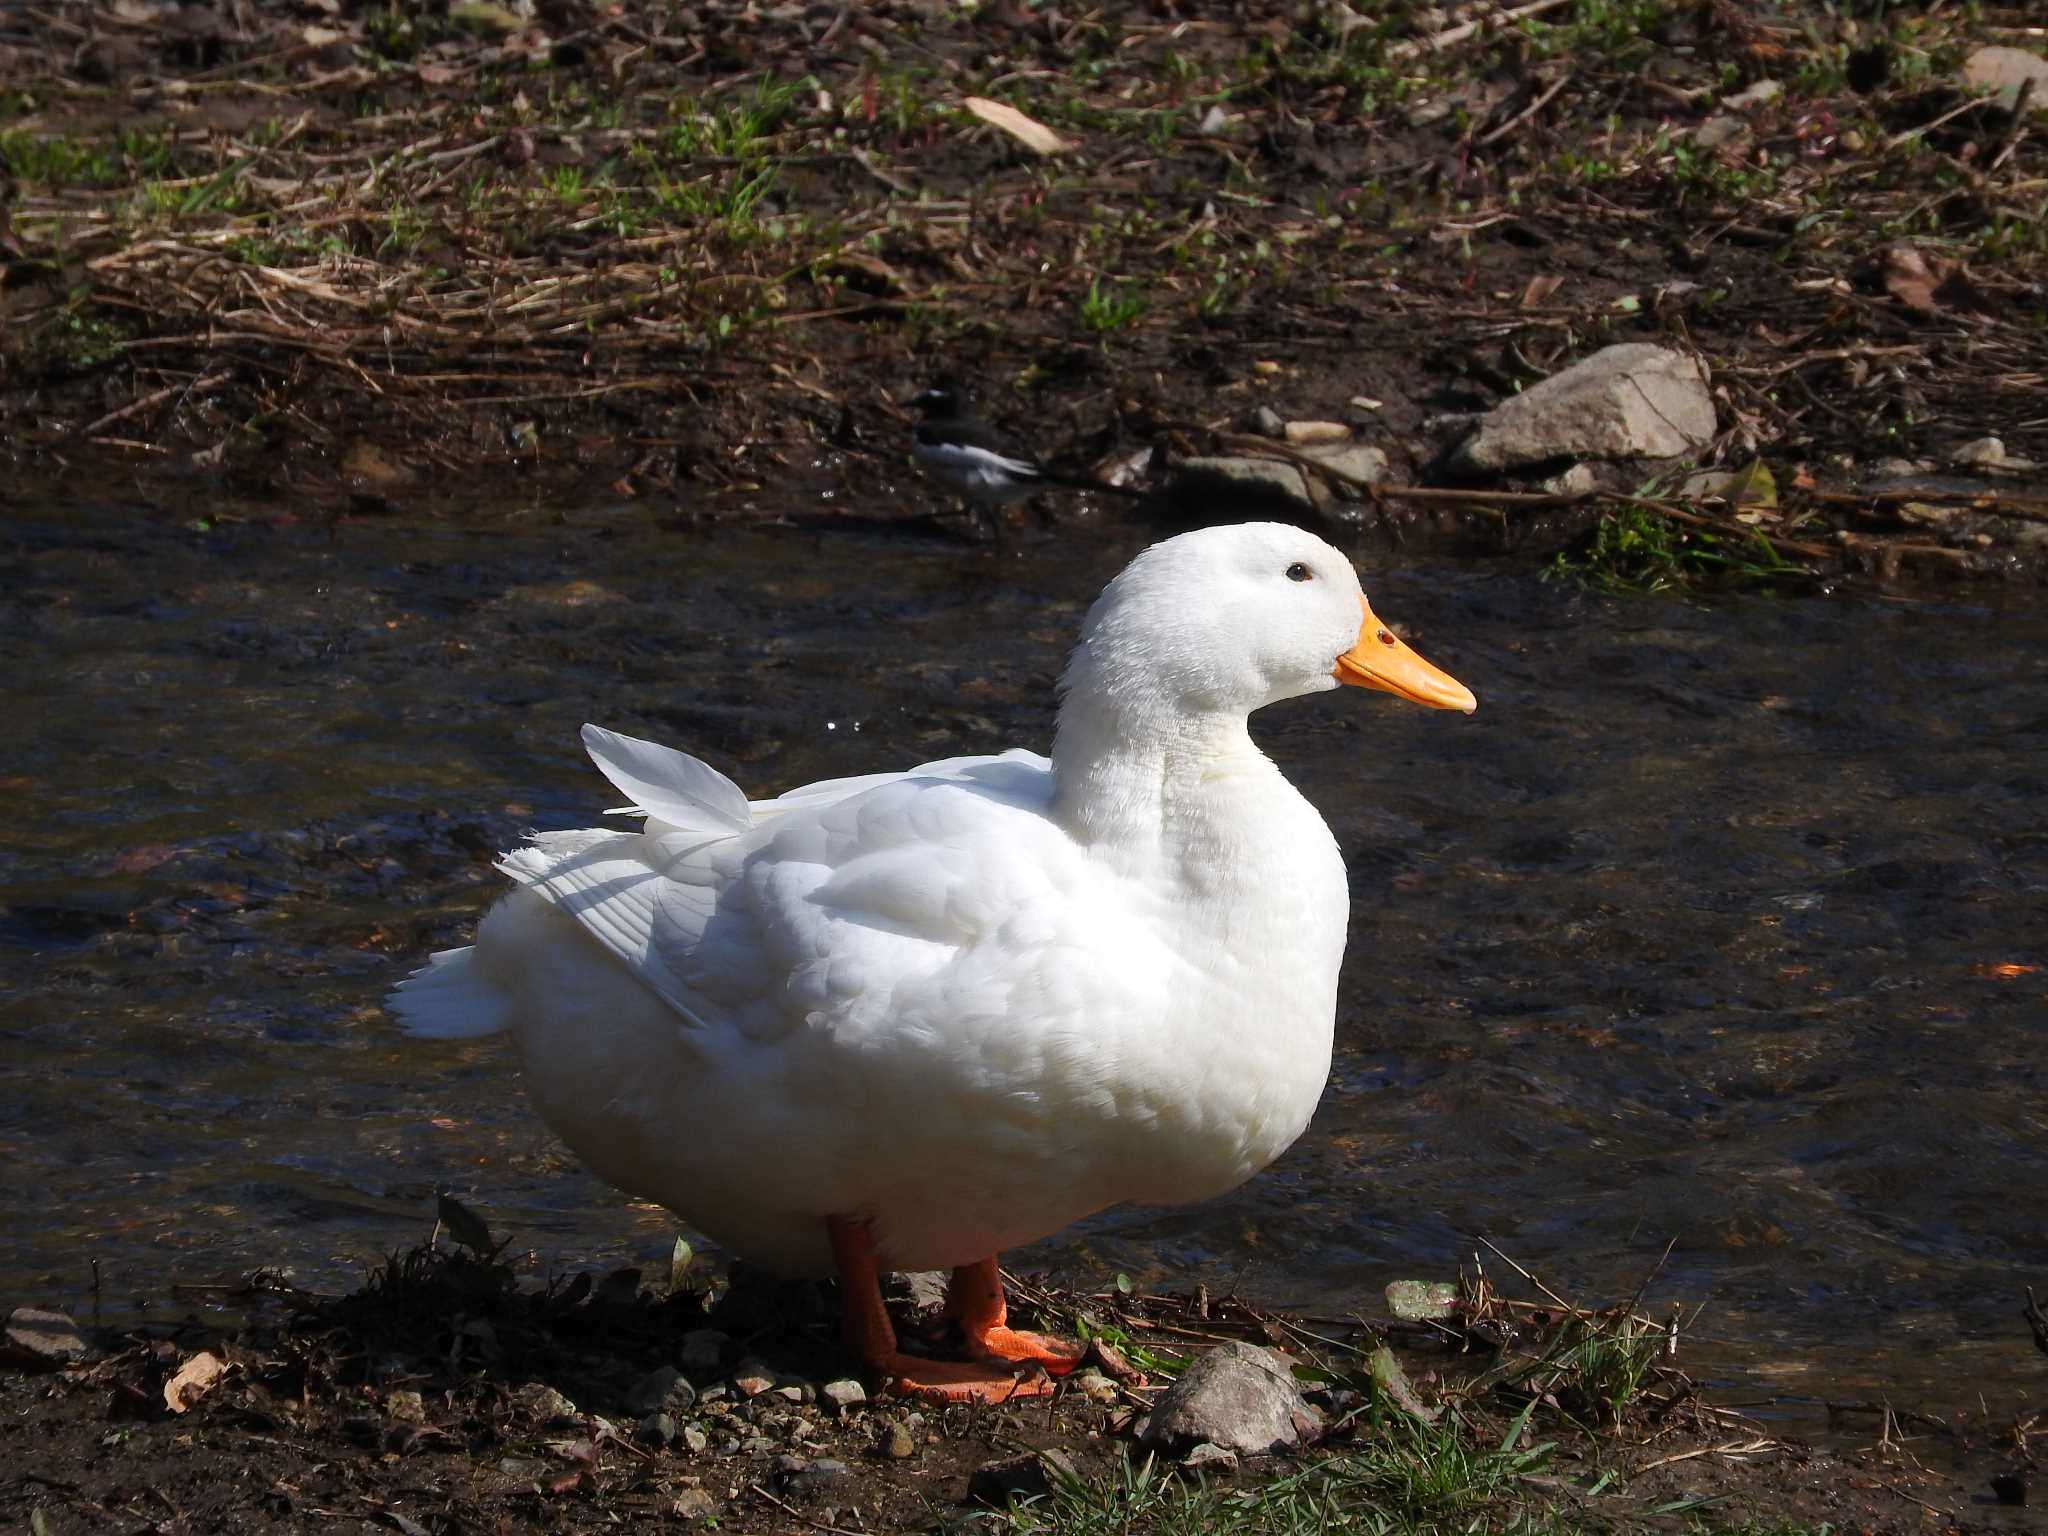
(907, 1020)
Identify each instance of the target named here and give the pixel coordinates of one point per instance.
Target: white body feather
(969, 1003)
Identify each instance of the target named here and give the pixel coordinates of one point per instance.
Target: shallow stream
(1716, 927)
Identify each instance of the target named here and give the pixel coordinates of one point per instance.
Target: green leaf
(1391, 1384)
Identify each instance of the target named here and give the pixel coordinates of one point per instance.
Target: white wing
(830, 898)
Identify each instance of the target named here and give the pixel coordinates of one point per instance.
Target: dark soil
(444, 1397)
(340, 255)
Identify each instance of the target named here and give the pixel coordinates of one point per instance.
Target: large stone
(1238, 1396)
(2005, 70)
(1266, 475)
(1634, 400)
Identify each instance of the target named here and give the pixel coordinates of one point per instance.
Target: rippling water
(1714, 928)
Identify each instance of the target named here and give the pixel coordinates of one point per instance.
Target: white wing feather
(668, 785)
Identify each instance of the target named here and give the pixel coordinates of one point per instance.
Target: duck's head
(1226, 620)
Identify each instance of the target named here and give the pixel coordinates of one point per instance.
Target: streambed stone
(1634, 400)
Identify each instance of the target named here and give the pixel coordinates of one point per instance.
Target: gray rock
(662, 1390)
(1578, 480)
(1984, 452)
(1634, 400)
(1267, 423)
(694, 1505)
(1213, 1456)
(39, 1337)
(843, 1394)
(1720, 131)
(1761, 94)
(1264, 474)
(926, 1288)
(656, 1429)
(703, 1350)
(1353, 460)
(693, 1439)
(1238, 1396)
(541, 1402)
(2005, 70)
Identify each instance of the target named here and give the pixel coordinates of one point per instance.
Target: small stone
(1207, 1455)
(898, 1444)
(1349, 463)
(757, 1445)
(39, 1337)
(525, 1468)
(1761, 94)
(789, 1394)
(694, 1440)
(1239, 1396)
(406, 1406)
(750, 1378)
(656, 1429)
(1364, 403)
(703, 1350)
(2005, 70)
(1267, 423)
(541, 1402)
(1268, 475)
(714, 1395)
(663, 1389)
(843, 1394)
(1310, 434)
(1577, 480)
(926, 1288)
(1984, 452)
(694, 1505)
(1721, 131)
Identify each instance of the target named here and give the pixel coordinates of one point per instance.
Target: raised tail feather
(444, 1000)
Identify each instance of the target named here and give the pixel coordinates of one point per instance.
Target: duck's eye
(1299, 572)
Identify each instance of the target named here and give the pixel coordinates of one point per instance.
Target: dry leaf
(1929, 283)
(1540, 288)
(1031, 134)
(320, 37)
(436, 74)
(194, 1380)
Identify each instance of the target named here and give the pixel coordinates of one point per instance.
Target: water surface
(1711, 929)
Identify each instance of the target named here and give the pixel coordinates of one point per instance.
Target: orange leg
(866, 1331)
(975, 1303)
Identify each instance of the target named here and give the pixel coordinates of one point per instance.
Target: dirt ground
(443, 1396)
(328, 256)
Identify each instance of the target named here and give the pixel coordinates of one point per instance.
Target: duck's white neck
(1157, 791)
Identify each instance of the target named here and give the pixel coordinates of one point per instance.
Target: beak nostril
(1386, 637)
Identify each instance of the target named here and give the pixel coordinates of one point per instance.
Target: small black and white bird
(978, 461)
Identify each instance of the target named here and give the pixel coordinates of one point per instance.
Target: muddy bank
(447, 1394)
(689, 257)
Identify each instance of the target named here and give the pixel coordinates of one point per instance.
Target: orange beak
(1380, 660)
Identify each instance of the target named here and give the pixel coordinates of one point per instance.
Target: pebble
(406, 1406)
(1268, 422)
(538, 1400)
(1207, 1455)
(898, 1444)
(750, 1378)
(694, 1440)
(44, 1338)
(695, 1505)
(1984, 451)
(1094, 1385)
(662, 1389)
(703, 1350)
(1304, 434)
(844, 1393)
(656, 1429)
